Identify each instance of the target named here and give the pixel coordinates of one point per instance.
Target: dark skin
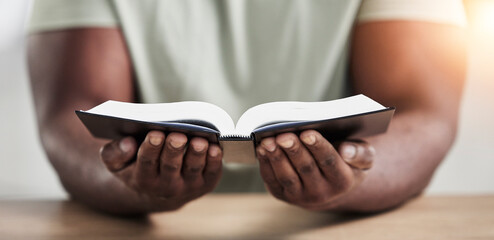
(77, 69)
(417, 67)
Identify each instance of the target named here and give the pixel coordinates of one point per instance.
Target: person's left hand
(308, 171)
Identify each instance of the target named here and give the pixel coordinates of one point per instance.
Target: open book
(352, 117)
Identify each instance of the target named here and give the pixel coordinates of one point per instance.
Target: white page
(161, 112)
(253, 118)
(303, 111)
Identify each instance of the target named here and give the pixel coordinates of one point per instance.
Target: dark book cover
(240, 149)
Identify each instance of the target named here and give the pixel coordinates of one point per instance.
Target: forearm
(406, 157)
(419, 68)
(75, 155)
(77, 69)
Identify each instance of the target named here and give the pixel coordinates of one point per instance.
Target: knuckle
(307, 168)
(170, 167)
(288, 181)
(276, 157)
(146, 161)
(329, 160)
(195, 169)
(264, 160)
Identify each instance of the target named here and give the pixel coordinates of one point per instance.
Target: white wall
(26, 173)
(24, 169)
(469, 167)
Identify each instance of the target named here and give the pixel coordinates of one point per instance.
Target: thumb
(358, 154)
(118, 153)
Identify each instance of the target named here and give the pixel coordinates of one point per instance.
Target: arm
(417, 67)
(78, 69)
(420, 69)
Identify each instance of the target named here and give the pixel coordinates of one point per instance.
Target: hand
(166, 167)
(308, 171)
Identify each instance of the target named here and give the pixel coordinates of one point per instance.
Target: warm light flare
(482, 17)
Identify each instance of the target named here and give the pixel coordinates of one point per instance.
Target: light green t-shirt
(239, 53)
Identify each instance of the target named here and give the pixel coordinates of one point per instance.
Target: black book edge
(104, 126)
(110, 127)
(241, 149)
(334, 129)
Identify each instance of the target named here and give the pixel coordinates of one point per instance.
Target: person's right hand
(168, 168)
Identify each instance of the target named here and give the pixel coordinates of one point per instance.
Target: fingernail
(177, 144)
(125, 145)
(213, 152)
(349, 151)
(199, 147)
(309, 139)
(261, 151)
(287, 143)
(269, 144)
(155, 139)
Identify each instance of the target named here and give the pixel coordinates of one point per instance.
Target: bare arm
(417, 67)
(420, 69)
(78, 69)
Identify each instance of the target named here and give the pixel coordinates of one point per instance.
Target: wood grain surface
(252, 216)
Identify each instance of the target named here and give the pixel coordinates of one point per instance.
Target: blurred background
(26, 173)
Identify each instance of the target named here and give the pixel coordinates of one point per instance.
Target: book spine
(238, 149)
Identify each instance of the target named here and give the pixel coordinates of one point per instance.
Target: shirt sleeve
(49, 15)
(439, 11)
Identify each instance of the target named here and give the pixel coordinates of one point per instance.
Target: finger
(282, 168)
(212, 170)
(147, 165)
(171, 159)
(195, 159)
(357, 154)
(335, 170)
(301, 159)
(267, 174)
(117, 154)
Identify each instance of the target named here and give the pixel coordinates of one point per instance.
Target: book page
(275, 112)
(189, 111)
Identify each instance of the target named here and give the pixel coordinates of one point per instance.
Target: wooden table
(252, 217)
